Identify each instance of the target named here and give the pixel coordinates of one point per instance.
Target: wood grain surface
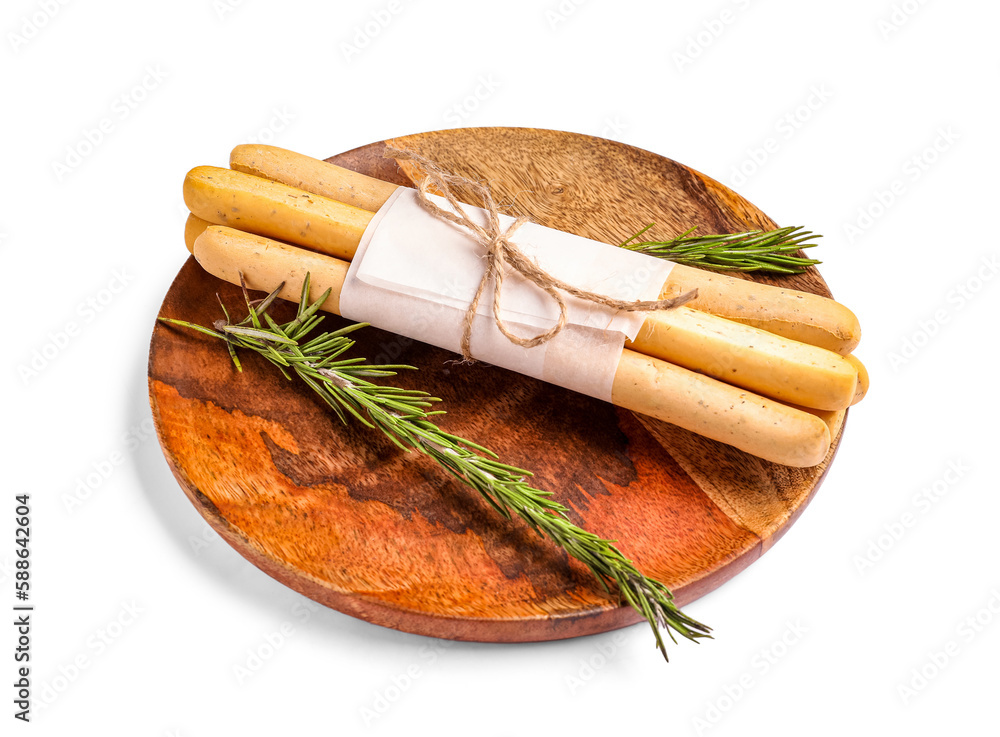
(340, 514)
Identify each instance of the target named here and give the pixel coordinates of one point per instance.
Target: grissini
(793, 314)
(738, 354)
(312, 175)
(193, 227)
(790, 313)
(227, 197)
(760, 426)
(712, 408)
(834, 420)
(863, 380)
(749, 357)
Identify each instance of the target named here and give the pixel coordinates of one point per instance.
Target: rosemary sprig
(403, 416)
(755, 250)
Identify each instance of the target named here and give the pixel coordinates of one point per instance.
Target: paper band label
(415, 275)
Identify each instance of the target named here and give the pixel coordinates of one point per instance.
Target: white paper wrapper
(415, 275)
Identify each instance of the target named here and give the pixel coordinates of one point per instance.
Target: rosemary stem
(402, 415)
(772, 251)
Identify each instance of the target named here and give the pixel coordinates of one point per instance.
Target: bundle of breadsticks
(765, 369)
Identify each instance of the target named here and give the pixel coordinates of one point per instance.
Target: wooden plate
(337, 513)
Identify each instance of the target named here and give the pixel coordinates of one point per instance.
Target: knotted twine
(500, 252)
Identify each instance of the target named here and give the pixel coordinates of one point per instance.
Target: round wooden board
(339, 514)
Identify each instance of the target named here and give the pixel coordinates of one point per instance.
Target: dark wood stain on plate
(340, 514)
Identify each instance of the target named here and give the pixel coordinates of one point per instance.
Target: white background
(817, 637)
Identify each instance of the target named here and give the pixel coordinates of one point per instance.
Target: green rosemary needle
(770, 251)
(403, 416)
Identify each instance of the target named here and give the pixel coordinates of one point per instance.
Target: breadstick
(193, 227)
(312, 175)
(275, 210)
(794, 372)
(807, 318)
(862, 378)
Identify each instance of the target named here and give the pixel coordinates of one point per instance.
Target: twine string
(501, 252)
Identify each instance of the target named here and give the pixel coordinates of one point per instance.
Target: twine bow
(501, 252)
